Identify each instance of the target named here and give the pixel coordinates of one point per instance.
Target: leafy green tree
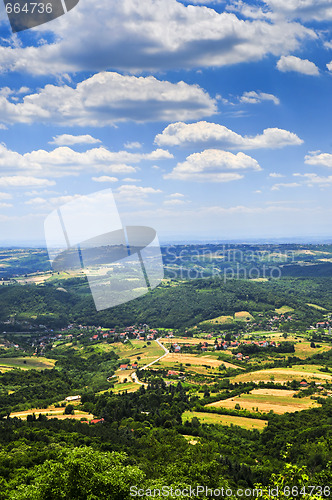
(81, 474)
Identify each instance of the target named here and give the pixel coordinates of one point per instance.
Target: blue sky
(210, 120)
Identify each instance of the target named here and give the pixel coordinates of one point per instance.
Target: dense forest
(141, 442)
(185, 303)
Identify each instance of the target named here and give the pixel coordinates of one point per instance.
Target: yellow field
(308, 372)
(27, 363)
(52, 411)
(219, 319)
(243, 316)
(214, 418)
(278, 401)
(284, 310)
(197, 362)
(186, 340)
(315, 306)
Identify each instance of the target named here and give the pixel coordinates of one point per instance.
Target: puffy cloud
(292, 63)
(275, 175)
(65, 161)
(105, 178)
(214, 134)
(23, 181)
(318, 10)
(276, 187)
(176, 195)
(151, 35)
(312, 180)
(132, 145)
(253, 97)
(5, 196)
(324, 159)
(40, 202)
(174, 202)
(70, 140)
(107, 98)
(213, 165)
(134, 195)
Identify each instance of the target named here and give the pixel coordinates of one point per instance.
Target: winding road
(134, 375)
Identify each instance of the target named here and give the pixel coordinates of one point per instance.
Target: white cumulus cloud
(150, 35)
(323, 159)
(213, 134)
(254, 97)
(70, 140)
(293, 63)
(64, 161)
(213, 165)
(107, 98)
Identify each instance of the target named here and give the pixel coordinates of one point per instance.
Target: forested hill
(172, 305)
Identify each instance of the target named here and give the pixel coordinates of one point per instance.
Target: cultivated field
(133, 349)
(276, 400)
(214, 418)
(310, 373)
(243, 316)
(52, 411)
(198, 363)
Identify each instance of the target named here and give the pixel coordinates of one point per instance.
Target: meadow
(215, 418)
(263, 401)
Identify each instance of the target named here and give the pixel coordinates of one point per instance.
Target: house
(303, 384)
(172, 373)
(134, 366)
(123, 367)
(106, 335)
(73, 398)
(95, 337)
(97, 421)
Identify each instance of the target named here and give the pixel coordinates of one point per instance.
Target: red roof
(97, 421)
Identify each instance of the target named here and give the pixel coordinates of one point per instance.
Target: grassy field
(308, 372)
(127, 386)
(214, 418)
(315, 306)
(238, 316)
(284, 310)
(219, 320)
(264, 401)
(243, 316)
(186, 340)
(26, 363)
(52, 411)
(198, 363)
(133, 349)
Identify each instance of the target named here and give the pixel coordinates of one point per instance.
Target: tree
(81, 473)
(69, 410)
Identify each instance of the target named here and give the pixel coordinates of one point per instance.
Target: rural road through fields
(134, 375)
